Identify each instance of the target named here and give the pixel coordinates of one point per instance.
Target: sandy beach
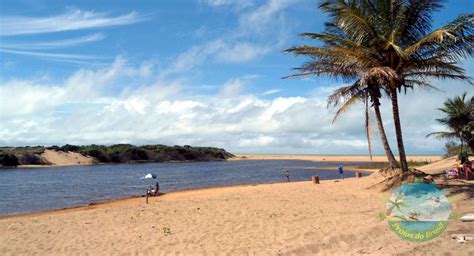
(332, 218)
(331, 158)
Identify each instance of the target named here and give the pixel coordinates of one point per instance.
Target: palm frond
(443, 135)
(346, 105)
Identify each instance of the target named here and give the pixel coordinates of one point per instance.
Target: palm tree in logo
(397, 203)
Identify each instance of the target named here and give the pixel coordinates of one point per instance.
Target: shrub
(7, 159)
(31, 159)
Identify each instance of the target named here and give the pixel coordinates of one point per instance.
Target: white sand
(60, 158)
(440, 166)
(340, 158)
(66, 158)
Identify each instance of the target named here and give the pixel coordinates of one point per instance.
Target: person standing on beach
(467, 167)
(287, 175)
(157, 189)
(341, 171)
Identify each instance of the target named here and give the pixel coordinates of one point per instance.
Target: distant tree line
(119, 153)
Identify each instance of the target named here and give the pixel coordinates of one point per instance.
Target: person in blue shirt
(341, 171)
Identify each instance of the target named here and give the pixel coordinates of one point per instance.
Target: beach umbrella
(149, 176)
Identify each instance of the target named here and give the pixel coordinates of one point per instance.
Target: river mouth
(26, 190)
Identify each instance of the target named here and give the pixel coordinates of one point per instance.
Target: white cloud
(241, 52)
(178, 106)
(132, 105)
(70, 20)
(266, 15)
(19, 98)
(219, 2)
(239, 4)
(82, 110)
(232, 88)
(272, 91)
(194, 57)
(248, 41)
(73, 58)
(73, 19)
(218, 50)
(54, 44)
(259, 141)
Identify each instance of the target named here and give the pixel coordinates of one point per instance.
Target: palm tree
(459, 119)
(393, 41)
(339, 60)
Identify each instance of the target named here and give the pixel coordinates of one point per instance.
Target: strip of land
(330, 158)
(353, 161)
(40, 156)
(337, 217)
(62, 158)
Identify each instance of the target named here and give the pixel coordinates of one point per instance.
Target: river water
(24, 190)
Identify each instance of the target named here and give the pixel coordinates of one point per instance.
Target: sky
(195, 72)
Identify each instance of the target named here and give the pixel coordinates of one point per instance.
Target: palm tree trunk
(398, 130)
(388, 151)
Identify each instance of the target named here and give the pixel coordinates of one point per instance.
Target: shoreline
(333, 158)
(287, 218)
(312, 158)
(112, 202)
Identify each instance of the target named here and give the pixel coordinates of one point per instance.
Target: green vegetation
(8, 159)
(125, 153)
(119, 153)
(13, 156)
(453, 149)
(383, 165)
(382, 48)
(459, 119)
(23, 150)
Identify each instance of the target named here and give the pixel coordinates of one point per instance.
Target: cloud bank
(82, 110)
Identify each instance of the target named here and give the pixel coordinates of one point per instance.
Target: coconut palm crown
(387, 46)
(459, 119)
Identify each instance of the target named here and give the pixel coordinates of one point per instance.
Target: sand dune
(60, 158)
(333, 218)
(66, 158)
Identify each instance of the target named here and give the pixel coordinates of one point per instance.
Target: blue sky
(202, 72)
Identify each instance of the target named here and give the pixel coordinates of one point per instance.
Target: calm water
(29, 190)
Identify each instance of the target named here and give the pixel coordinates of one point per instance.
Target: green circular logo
(418, 212)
